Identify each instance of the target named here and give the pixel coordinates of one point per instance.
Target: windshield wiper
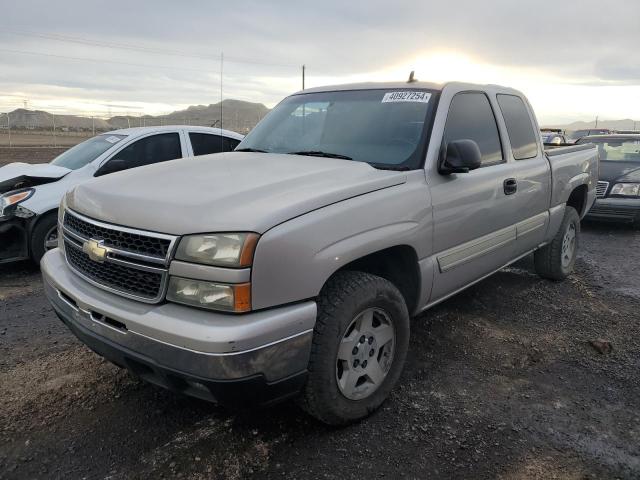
(386, 166)
(256, 150)
(318, 153)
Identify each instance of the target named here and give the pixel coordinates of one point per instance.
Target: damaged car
(30, 193)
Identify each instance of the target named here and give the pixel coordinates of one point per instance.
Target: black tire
(39, 233)
(341, 300)
(549, 259)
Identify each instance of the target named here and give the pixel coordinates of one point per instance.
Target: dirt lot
(39, 138)
(29, 154)
(501, 382)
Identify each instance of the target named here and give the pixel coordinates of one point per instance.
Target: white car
(30, 193)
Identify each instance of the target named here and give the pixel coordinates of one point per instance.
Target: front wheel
(557, 259)
(44, 236)
(360, 343)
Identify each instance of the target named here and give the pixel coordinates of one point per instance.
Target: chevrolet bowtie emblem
(95, 249)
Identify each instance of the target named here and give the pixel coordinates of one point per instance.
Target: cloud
(573, 41)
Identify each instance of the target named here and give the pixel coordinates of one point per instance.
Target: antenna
(411, 78)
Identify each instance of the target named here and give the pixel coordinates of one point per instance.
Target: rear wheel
(557, 259)
(44, 236)
(359, 347)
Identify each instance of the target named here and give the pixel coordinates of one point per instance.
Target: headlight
(626, 189)
(216, 296)
(220, 249)
(13, 198)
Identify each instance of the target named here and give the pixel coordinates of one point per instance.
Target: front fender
(295, 259)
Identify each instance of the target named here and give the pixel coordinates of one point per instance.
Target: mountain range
(237, 115)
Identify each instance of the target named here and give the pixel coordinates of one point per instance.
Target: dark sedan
(618, 190)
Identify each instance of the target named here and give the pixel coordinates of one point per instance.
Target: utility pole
(93, 125)
(221, 98)
(303, 72)
(596, 122)
(54, 130)
(9, 127)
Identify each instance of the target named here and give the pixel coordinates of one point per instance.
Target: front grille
(601, 189)
(125, 261)
(115, 276)
(124, 240)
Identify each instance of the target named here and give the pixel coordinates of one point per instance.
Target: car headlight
(13, 198)
(219, 249)
(216, 296)
(626, 189)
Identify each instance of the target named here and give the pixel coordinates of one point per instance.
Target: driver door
(474, 233)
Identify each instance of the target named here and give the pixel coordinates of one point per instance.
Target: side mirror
(112, 166)
(460, 156)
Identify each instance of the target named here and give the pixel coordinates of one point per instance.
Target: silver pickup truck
(291, 266)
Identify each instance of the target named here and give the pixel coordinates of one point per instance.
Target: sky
(574, 59)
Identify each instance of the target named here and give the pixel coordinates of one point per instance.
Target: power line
(97, 60)
(142, 48)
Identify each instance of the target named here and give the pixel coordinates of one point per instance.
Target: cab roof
(409, 85)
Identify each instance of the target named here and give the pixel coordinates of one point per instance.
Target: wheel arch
(35, 222)
(578, 199)
(397, 264)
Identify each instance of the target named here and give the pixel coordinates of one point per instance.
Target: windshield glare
(381, 127)
(87, 151)
(617, 150)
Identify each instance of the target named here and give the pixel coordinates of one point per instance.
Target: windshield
(616, 150)
(385, 128)
(87, 151)
(578, 134)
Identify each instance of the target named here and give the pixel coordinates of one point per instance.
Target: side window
(471, 117)
(152, 149)
(519, 127)
(205, 143)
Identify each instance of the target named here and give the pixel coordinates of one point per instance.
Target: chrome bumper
(274, 344)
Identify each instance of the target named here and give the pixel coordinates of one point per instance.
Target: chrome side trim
(531, 224)
(455, 292)
(472, 249)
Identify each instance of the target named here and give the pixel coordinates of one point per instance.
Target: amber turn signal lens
(248, 249)
(242, 297)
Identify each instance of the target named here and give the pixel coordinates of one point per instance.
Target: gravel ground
(29, 154)
(501, 382)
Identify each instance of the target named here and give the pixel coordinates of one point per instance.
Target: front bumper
(258, 357)
(616, 210)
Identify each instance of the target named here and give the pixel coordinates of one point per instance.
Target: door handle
(510, 186)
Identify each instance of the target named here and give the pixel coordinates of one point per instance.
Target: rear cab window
(522, 135)
(206, 143)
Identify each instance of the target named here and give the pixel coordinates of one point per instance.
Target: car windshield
(385, 128)
(578, 134)
(616, 150)
(87, 151)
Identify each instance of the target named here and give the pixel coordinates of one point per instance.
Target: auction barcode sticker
(113, 139)
(421, 97)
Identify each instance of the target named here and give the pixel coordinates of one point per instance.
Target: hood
(619, 171)
(22, 175)
(236, 191)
